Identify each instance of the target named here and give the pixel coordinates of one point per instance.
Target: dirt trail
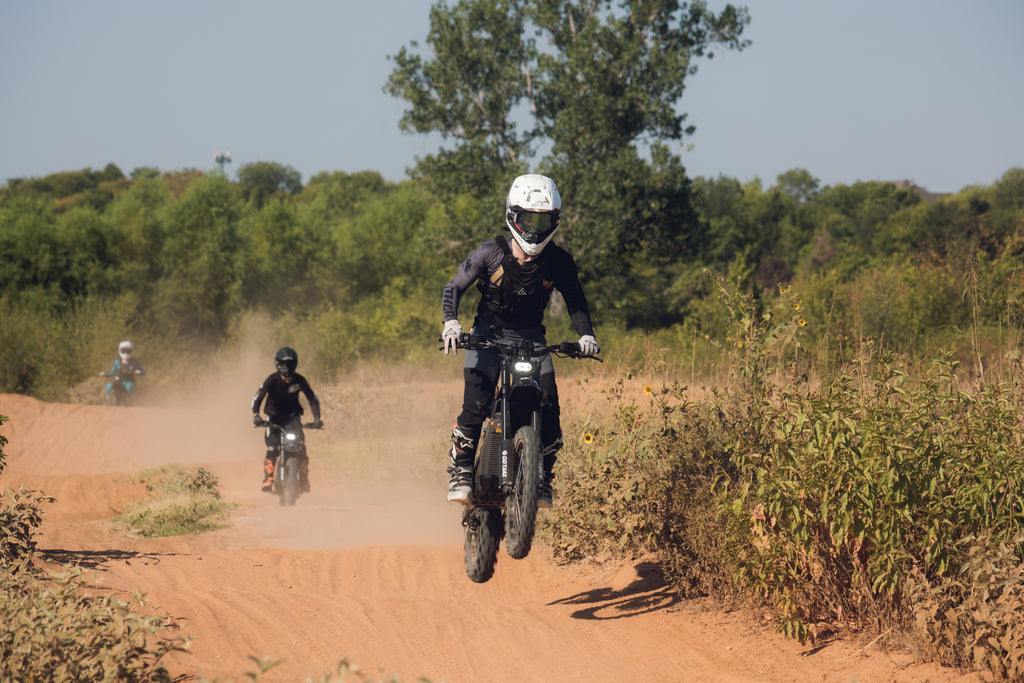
(369, 567)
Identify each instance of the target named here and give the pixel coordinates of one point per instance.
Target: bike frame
(517, 403)
(504, 499)
(290, 447)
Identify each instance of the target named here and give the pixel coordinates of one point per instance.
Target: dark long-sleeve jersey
(514, 295)
(283, 397)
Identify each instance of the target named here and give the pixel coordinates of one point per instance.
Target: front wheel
(483, 533)
(290, 490)
(521, 504)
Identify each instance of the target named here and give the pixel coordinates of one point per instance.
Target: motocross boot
(546, 476)
(460, 485)
(304, 475)
(268, 475)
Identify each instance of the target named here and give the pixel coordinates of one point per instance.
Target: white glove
(450, 336)
(589, 345)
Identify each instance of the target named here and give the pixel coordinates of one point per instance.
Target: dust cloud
(377, 469)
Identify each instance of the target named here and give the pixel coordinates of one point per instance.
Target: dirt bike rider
(281, 390)
(124, 364)
(515, 275)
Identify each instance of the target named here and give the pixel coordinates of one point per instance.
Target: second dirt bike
(120, 380)
(287, 467)
(506, 473)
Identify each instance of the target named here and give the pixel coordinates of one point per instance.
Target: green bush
(55, 629)
(20, 516)
(971, 619)
(843, 493)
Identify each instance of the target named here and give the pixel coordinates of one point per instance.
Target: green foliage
(262, 180)
(841, 494)
(627, 207)
(55, 629)
(972, 619)
(200, 265)
(469, 91)
(20, 516)
(181, 501)
(636, 477)
(85, 188)
(610, 491)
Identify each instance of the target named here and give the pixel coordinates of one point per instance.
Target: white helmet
(125, 349)
(532, 211)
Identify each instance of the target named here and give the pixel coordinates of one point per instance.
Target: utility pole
(222, 158)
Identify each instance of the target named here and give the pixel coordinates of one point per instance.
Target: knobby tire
(483, 533)
(521, 504)
(291, 481)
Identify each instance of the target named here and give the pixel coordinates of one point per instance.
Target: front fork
(509, 468)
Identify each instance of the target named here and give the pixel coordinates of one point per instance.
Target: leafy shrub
(845, 493)
(56, 630)
(609, 481)
(20, 516)
(971, 619)
(636, 477)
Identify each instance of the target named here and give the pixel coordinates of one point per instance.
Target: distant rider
(515, 275)
(125, 365)
(281, 390)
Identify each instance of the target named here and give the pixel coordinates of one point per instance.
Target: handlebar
(279, 428)
(565, 349)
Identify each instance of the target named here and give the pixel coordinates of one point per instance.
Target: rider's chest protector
(516, 289)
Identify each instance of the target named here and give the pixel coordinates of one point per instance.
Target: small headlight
(523, 366)
(290, 436)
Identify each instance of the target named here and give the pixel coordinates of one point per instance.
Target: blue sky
(926, 90)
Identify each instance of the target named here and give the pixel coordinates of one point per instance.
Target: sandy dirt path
(369, 566)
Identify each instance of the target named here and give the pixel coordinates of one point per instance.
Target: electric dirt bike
(120, 380)
(290, 451)
(507, 469)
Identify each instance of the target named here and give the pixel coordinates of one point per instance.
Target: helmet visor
(125, 350)
(535, 227)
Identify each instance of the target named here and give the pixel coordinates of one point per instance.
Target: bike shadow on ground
(98, 559)
(648, 593)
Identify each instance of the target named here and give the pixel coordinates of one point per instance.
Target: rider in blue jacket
(125, 365)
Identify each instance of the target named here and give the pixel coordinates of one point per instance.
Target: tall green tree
(586, 91)
(201, 260)
(262, 180)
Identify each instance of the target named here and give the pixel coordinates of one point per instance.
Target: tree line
(185, 255)
(586, 92)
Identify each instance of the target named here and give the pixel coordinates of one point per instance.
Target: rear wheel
(483, 533)
(521, 504)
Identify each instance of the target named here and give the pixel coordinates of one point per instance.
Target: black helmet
(286, 360)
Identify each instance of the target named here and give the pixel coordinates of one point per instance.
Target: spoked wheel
(290, 490)
(483, 533)
(521, 505)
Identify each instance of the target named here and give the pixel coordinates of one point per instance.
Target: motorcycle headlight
(290, 436)
(523, 367)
